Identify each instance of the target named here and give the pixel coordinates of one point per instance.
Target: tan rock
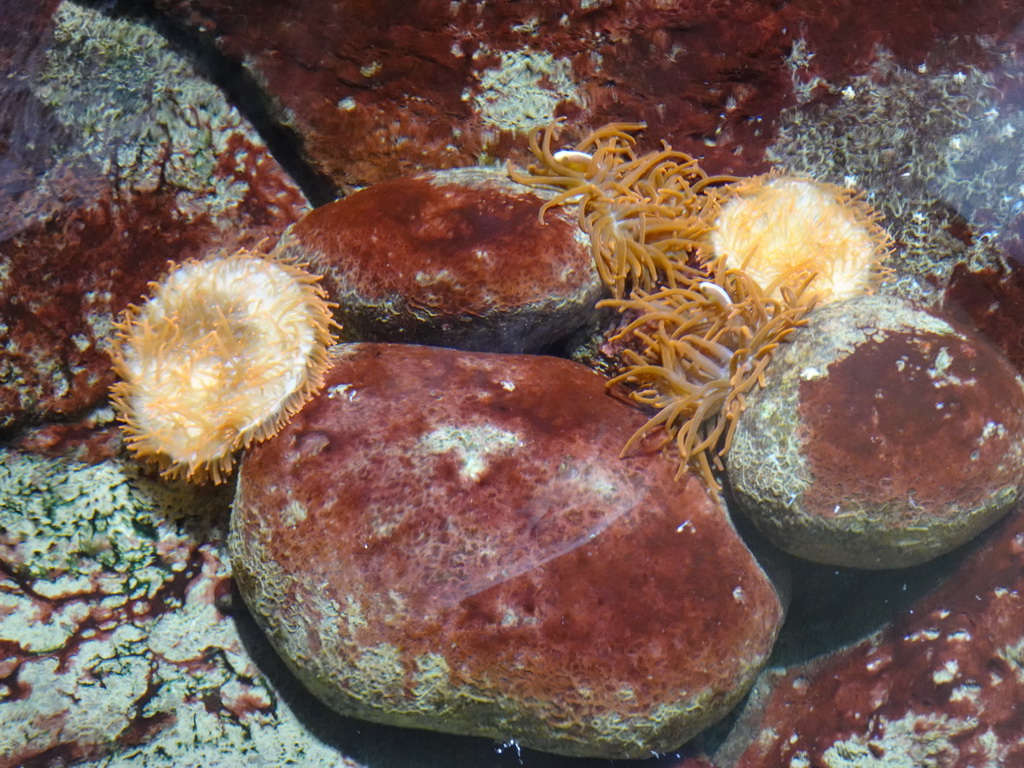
(887, 435)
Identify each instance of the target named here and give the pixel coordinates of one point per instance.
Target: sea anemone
(698, 349)
(221, 355)
(718, 271)
(644, 213)
(777, 228)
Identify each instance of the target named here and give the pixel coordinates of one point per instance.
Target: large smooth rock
(449, 540)
(453, 258)
(887, 435)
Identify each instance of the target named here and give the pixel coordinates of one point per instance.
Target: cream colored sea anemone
(225, 350)
(774, 227)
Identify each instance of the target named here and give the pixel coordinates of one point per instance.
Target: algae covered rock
(887, 435)
(455, 258)
(449, 540)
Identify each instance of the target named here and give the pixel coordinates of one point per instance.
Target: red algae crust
(449, 540)
(887, 435)
(456, 258)
(380, 89)
(942, 685)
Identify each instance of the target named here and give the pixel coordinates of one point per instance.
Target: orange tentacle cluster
(643, 213)
(221, 355)
(715, 271)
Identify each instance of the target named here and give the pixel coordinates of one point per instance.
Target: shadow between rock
(832, 608)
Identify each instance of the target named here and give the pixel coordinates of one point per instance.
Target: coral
(705, 332)
(225, 351)
(718, 271)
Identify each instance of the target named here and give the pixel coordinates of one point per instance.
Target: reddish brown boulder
(378, 90)
(887, 435)
(452, 258)
(450, 540)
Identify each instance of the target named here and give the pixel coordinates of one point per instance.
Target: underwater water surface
(485, 509)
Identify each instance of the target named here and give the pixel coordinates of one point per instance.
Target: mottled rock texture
(111, 642)
(450, 540)
(941, 685)
(453, 258)
(887, 435)
(379, 90)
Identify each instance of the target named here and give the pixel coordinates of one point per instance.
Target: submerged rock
(887, 435)
(449, 540)
(453, 258)
(940, 685)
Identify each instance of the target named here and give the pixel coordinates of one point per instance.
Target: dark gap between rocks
(240, 88)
